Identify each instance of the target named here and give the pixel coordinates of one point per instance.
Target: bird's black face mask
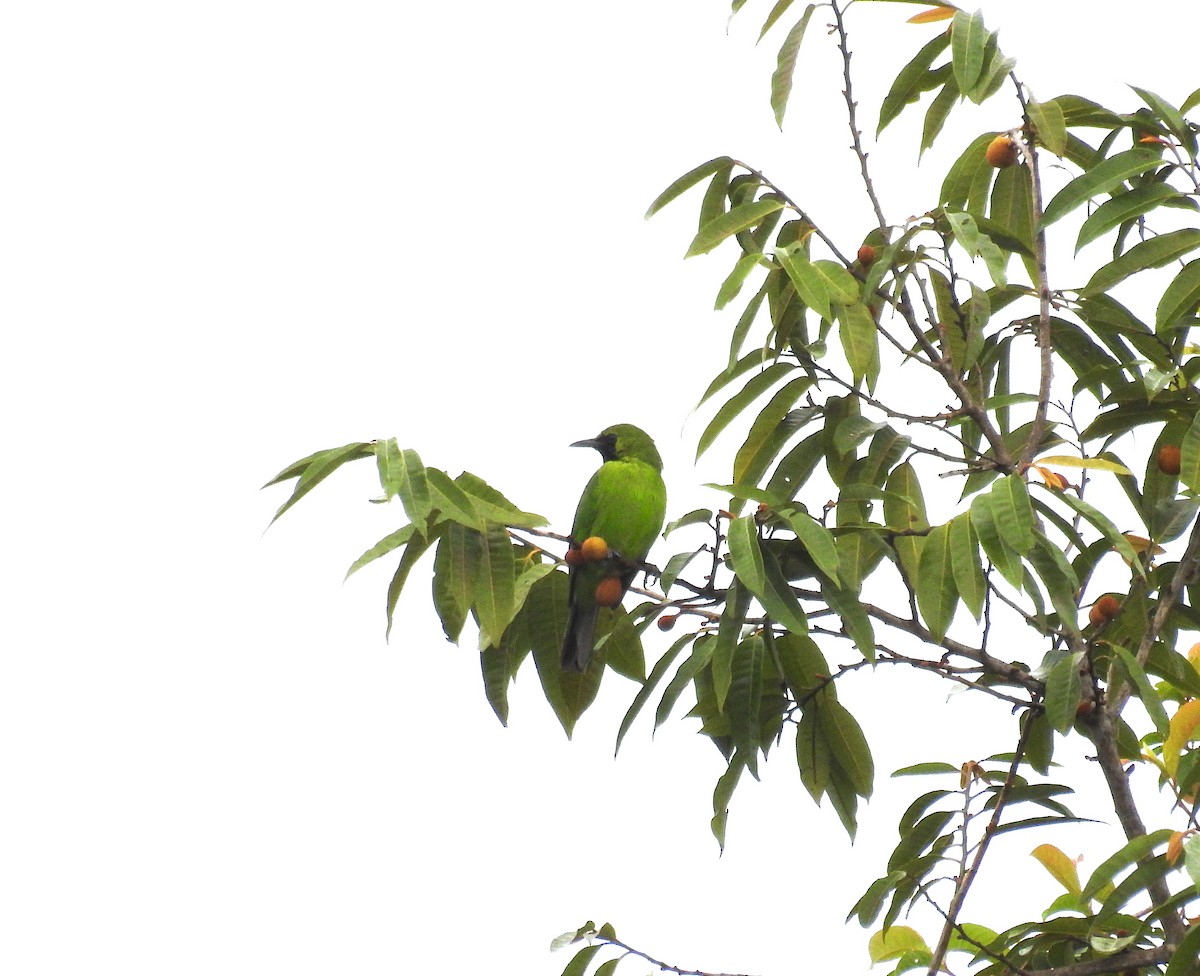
(606, 444)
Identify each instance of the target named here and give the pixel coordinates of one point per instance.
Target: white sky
(233, 233)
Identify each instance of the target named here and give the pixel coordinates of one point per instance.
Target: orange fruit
(866, 255)
(594, 549)
(574, 556)
(609, 591)
(1168, 459)
(667, 621)
(1107, 607)
(1001, 152)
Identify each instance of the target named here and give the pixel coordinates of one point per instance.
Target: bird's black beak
(591, 442)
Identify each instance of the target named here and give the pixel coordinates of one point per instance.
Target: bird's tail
(581, 638)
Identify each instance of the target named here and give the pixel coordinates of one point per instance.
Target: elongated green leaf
(1106, 526)
(780, 8)
(993, 541)
(1012, 203)
(661, 667)
(965, 561)
(757, 385)
(1101, 178)
(495, 585)
(859, 336)
(1063, 692)
(687, 181)
(453, 577)
(937, 596)
(779, 600)
(732, 285)
(727, 224)
(749, 457)
(1058, 576)
(1144, 690)
(817, 540)
(938, 112)
(1169, 115)
(911, 81)
(389, 543)
(1013, 513)
(1050, 125)
(1189, 455)
(746, 555)
(314, 469)
(743, 704)
(848, 745)
(1180, 299)
(968, 39)
(845, 602)
(1183, 962)
(1122, 207)
(413, 551)
(810, 285)
(781, 80)
(1151, 253)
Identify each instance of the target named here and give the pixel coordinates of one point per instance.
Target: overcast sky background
(233, 233)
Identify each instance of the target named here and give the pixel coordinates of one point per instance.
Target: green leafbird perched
(624, 504)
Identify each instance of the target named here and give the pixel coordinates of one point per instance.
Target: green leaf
(727, 224)
(859, 336)
(732, 285)
(1180, 299)
(968, 40)
(780, 8)
(451, 501)
(1122, 207)
(750, 456)
(1050, 125)
(745, 696)
(993, 541)
(1189, 455)
(753, 389)
(1063, 692)
(937, 596)
(1104, 177)
(687, 181)
(389, 543)
(1106, 526)
(1058, 576)
(1136, 675)
(413, 551)
(1183, 962)
(1013, 513)
(848, 745)
(781, 80)
(817, 540)
(911, 81)
(314, 469)
(964, 560)
(453, 577)
(661, 667)
(1151, 253)
(495, 585)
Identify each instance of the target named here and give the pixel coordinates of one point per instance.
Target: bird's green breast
(624, 503)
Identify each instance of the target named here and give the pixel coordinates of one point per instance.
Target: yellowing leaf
(1096, 464)
(1193, 656)
(1061, 867)
(895, 942)
(1182, 730)
(1052, 478)
(1175, 846)
(932, 15)
(1140, 544)
(971, 770)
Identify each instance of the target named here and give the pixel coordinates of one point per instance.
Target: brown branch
(1046, 366)
(852, 116)
(964, 882)
(658, 963)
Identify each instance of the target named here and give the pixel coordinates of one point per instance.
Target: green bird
(624, 503)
